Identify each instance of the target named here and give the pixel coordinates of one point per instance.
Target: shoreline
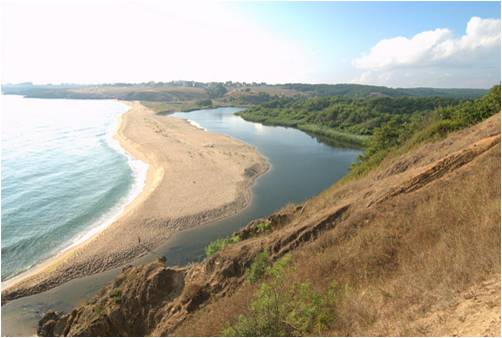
(79, 260)
(137, 186)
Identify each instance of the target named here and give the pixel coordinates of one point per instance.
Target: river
(300, 167)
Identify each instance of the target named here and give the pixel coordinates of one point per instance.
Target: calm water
(63, 176)
(300, 168)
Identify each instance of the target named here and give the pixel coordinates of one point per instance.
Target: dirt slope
(417, 241)
(474, 312)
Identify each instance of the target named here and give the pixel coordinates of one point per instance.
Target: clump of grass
(98, 309)
(221, 243)
(116, 295)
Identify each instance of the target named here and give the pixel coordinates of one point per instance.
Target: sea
(63, 176)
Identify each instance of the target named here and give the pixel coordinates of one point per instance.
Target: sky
(397, 44)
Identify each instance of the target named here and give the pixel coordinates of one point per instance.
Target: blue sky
(342, 31)
(389, 43)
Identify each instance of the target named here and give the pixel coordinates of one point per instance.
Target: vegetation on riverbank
(350, 120)
(220, 244)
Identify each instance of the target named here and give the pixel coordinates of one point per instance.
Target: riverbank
(329, 135)
(194, 177)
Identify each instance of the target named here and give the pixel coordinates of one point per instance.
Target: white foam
(195, 124)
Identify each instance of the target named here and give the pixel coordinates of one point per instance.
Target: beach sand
(194, 177)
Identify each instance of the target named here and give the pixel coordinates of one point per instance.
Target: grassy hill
(356, 90)
(408, 246)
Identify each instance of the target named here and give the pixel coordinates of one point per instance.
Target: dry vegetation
(184, 92)
(270, 90)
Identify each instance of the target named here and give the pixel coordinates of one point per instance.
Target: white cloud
(437, 58)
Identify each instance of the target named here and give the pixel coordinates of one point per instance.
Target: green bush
(258, 268)
(219, 244)
(116, 295)
(283, 309)
(98, 310)
(215, 90)
(263, 227)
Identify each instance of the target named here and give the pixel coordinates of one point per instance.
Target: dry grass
(212, 319)
(417, 251)
(270, 90)
(121, 90)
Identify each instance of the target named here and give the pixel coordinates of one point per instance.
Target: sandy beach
(194, 177)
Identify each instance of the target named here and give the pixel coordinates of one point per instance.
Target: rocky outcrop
(128, 306)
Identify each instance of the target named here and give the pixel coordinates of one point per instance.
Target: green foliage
(215, 90)
(417, 128)
(98, 309)
(261, 266)
(204, 103)
(220, 243)
(281, 308)
(258, 268)
(342, 119)
(356, 90)
(263, 227)
(277, 269)
(116, 295)
(333, 134)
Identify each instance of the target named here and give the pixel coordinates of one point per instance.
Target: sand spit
(194, 177)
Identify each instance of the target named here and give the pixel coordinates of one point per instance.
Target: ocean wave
(45, 208)
(139, 170)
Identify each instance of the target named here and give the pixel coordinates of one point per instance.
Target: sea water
(64, 177)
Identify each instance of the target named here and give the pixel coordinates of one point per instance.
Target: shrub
(258, 267)
(219, 244)
(98, 309)
(263, 227)
(204, 103)
(116, 294)
(283, 309)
